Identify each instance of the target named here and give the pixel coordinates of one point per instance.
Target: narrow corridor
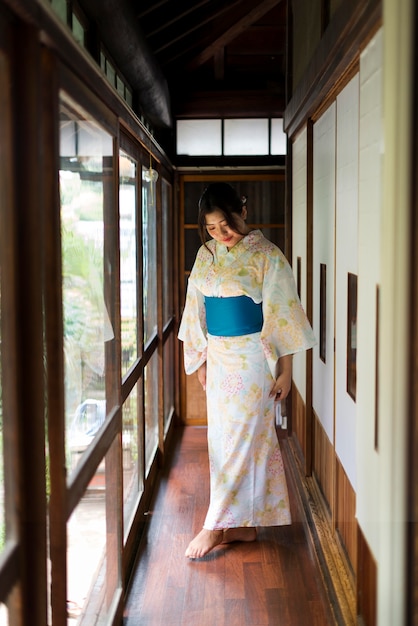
(273, 581)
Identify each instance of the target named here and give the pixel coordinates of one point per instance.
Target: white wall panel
(299, 189)
(370, 184)
(346, 262)
(323, 253)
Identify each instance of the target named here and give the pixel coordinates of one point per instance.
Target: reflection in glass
(149, 247)
(168, 381)
(132, 459)
(128, 261)
(85, 178)
(151, 410)
(86, 553)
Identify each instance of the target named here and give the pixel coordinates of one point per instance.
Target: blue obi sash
(234, 316)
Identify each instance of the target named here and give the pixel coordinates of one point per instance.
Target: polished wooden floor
(273, 581)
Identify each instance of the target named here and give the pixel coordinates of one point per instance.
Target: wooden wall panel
(195, 402)
(366, 582)
(345, 521)
(323, 461)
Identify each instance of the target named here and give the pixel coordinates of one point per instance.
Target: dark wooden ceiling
(219, 58)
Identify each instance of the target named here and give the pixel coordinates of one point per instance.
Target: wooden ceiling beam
(248, 20)
(187, 32)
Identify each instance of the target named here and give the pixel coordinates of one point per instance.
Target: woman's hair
(220, 197)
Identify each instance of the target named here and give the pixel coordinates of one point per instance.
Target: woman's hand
(283, 382)
(201, 375)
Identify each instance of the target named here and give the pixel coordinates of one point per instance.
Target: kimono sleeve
(193, 330)
(286, 328)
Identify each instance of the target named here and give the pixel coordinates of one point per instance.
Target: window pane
(78, 30)
(199, 137)
(151, 410)
(168, 380)
(92, 564)
(278, 137)
(246, 136)
(60, 6)
(167, 252)
(86, 553)
(132, 459)
(85, 178)
(128, 260)
(149, 247)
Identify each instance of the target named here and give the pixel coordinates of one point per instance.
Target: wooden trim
(30, 416)
(160, 317)
(10, 558)
(347, 33)
(299, 420)
(309, 294)
(288, 249)
(376, 362)
(327, 550)
(54, 333)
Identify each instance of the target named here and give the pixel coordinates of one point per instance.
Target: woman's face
(218, 228)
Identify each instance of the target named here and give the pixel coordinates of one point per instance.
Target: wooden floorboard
(273, 581)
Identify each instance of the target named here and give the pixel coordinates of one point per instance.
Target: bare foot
(247, 533)
(203, 543)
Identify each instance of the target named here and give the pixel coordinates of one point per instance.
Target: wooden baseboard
(366, 583)
(332, 561)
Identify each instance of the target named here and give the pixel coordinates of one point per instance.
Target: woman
(241, 323)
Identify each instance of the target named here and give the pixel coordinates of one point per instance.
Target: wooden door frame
(189, 386)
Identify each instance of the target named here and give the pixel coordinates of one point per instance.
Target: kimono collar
(253, 237)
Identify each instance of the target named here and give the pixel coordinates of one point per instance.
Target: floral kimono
(247, 480)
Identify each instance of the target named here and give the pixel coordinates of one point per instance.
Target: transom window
(231, 137)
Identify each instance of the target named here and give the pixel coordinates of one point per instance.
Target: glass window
(167, 252)
(151, 410)
(149, 251)
(60, 7)
(78, 30)
(197, 137)
(132, 457)
(168, 380)
(86, 162)
(128, 260)
(86, 553)
(110, 73)
(246, 137)
(278, 137)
